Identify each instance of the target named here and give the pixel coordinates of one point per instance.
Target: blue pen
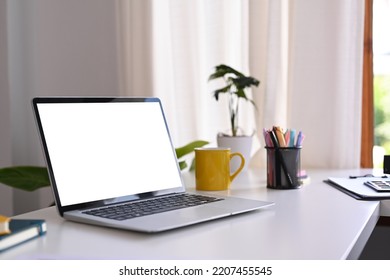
(292, 138)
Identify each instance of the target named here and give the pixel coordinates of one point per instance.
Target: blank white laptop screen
(107, 150)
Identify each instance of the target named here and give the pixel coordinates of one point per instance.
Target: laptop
(109, 157)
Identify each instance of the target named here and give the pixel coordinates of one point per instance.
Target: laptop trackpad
(183, 217)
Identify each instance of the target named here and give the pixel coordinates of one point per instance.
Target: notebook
(103, 152)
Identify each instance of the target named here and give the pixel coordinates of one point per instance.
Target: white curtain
(326, 80)
(307, 54)
(174, 55)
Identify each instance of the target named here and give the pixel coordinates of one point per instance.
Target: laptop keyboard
(151, 206)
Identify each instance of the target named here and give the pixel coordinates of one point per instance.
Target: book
(22, 231)
(4, 225)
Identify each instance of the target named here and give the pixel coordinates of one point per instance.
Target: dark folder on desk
(356, 188)
(111, 162)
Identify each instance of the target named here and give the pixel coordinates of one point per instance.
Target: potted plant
(235, 85)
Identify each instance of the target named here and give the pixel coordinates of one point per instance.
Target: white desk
(314, 222)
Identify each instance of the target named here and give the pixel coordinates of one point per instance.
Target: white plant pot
(241, 144)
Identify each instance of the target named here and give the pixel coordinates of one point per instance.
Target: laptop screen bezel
(98, 203)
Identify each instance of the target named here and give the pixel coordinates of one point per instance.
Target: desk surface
(314, 222)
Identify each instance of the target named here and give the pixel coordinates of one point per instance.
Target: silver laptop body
(103, 151)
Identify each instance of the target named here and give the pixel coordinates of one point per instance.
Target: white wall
(57, 48)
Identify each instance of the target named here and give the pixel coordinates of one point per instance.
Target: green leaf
(244, 82)
(192, 167)
(28, 178)
(216, 75)
(187, 149)
(223, 70)
(182, 164)
(184, 150)
(241, 94)
(221, 90)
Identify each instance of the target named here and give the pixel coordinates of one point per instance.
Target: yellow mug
(212, 168)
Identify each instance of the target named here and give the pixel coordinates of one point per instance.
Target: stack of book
(17, 231)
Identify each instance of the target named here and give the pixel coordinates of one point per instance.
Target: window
(381, 80)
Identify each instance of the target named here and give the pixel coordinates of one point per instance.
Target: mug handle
(232, 176)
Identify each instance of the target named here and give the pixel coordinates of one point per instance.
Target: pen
(280, 136)
(300, 138)
(268, 141)
(367, 176)
(287, 136)
(292, 138)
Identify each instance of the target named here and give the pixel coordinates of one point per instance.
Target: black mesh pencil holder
(283, 167)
